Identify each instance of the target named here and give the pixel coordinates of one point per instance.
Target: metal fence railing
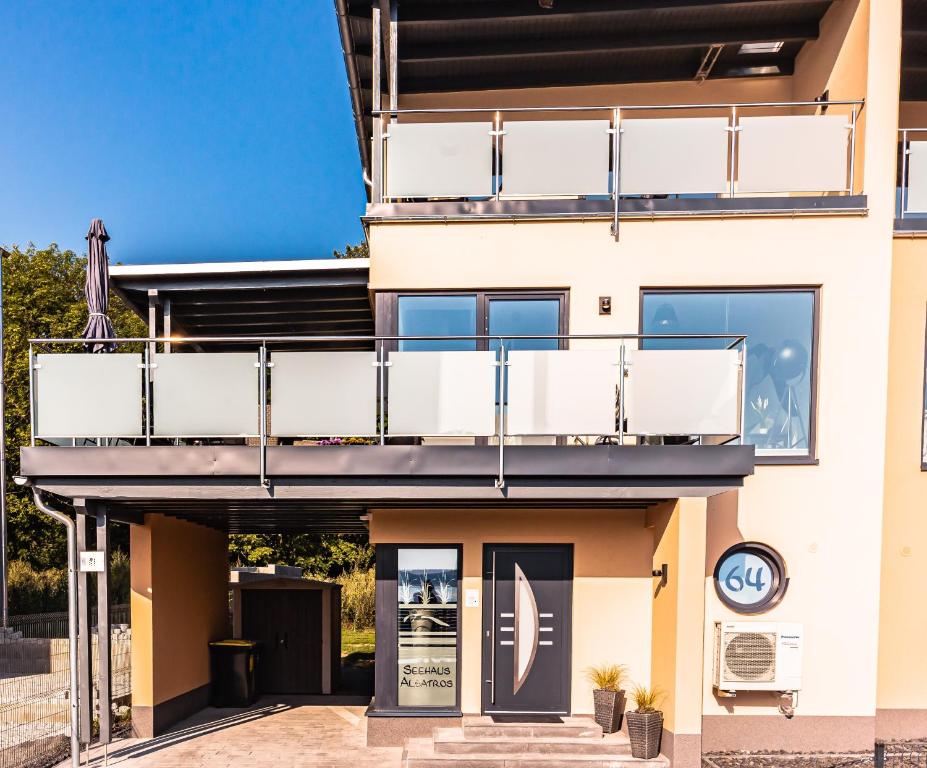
(35, 683)
(901, 754)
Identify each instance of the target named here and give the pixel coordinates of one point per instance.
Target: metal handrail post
(733, 161)
(497, 154)
(743, 392)
(147, 384)
(621, 392)
(72, 618)
(852, 151)
(616, 171)
(262, 390)
(32, 408)
(500, 481)
(382, 377)
(905, 152)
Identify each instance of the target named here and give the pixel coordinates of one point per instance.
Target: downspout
(72, 615)
(354, 86)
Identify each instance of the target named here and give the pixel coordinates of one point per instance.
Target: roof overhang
(479, 45)
(261, 298)
(330, 488)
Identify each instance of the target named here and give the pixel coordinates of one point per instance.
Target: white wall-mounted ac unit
(757, 656)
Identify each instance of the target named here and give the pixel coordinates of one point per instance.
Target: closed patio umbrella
(96, 288)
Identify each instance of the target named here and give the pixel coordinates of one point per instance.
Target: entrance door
(527, 605)
(288, 624)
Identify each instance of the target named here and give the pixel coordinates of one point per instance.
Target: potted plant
(607, 694)
(645, 724)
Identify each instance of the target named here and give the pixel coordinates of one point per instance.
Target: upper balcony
(599, 109)
(413, 420)
(616, 162)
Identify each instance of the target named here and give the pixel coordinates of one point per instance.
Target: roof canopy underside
(914, 51)
(318, 297)
(476, 45)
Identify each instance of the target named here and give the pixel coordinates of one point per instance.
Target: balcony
(615, 162)
(602, 420)
(911, 192)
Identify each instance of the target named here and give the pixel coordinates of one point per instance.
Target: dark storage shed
(298, 623)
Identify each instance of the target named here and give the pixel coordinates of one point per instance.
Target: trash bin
(233, 672)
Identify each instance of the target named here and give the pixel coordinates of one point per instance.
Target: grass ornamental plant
(609, 699)
(645, 723)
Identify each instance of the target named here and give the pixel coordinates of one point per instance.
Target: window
(427, 605)
(779, 326)
(437, 316)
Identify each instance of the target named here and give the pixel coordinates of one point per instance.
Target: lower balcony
(229, 437)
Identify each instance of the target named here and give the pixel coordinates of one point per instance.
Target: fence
(34, 685)
(901, 754)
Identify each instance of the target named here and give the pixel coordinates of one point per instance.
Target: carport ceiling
(290, 516)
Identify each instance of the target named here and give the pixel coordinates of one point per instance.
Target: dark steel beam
(504, 50)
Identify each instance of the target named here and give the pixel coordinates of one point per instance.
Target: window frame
(771, 459)
(386, 642)
(387, 316)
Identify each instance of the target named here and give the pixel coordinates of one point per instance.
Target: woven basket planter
(609, 709)
(645, 729)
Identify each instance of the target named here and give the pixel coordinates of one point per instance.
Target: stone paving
(282, 732)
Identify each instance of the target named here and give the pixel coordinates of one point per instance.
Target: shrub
(32, 591)
(647, 699)
(358, 597)
(607, 677)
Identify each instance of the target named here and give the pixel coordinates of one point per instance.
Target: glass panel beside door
(427, 591)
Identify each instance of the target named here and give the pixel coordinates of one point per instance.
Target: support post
(84, 649)
(376, 99)
(104, 665)
(153, 301)
(167, 323)
(616, 170)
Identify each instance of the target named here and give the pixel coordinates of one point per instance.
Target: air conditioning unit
(757, 656)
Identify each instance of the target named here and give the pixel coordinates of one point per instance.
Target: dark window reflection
(437, 316)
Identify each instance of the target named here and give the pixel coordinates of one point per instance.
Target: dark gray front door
(527, 603)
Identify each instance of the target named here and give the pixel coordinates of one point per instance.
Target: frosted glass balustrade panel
(439, 160)
(562, 392)
(803, 153)
(917, 177)
(80, 395)
(211, 394)
(442, 393)
(323, 394)
(683, 392)
(674, 156)
(555, 158)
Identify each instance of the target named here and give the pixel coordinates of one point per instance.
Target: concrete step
(457, 742)
(570, 727)
(419, 753)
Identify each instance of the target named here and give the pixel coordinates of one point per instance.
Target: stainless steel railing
(64, 376)
(385, 120)
(906, 179)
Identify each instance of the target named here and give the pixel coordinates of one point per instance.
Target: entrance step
(483, 743)
(457, 742)
(568, 727)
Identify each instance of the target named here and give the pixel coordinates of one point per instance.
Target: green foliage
(119, 578)
(357, 641)
(43, 296)
(607, 677)
(358, 597)
(647, 699)
(359, 251)
(324, 556)
(32, 591)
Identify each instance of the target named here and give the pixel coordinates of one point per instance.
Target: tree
(359, 251)
(43, 297)
(325, 556)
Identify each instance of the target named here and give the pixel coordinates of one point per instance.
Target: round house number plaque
(750, 577)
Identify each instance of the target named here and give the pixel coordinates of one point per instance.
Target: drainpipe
(72, 615)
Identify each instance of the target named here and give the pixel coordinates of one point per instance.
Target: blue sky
(198, 130)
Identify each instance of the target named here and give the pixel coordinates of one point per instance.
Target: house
(635, 368)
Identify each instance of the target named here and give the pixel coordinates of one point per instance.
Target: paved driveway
(282, 732)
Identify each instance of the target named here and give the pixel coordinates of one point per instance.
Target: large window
(779, 326)
(453, 315)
